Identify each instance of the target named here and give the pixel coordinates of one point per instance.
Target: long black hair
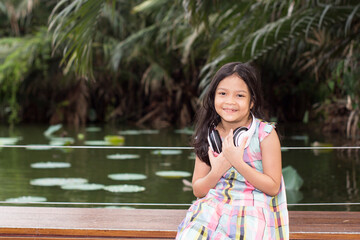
(207, 116)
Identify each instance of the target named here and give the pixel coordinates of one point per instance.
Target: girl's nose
(230, 100)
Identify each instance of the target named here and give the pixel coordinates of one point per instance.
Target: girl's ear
(251, 104)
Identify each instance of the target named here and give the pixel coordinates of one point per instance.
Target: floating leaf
(83, 186)
(57, 181)
(292, 179)
(9, 140)
(127, 176)
(38, 147)
(124, 188)
(80, 136)
(130, 132)
(63, 139)
(115, 140)
(300, 137)
(167, 152)
(58, 141)
(51, 165)
(93, 129)
(325, 145)
(138, 132)
(173, 174)
(149, 131)
(52, 129)
(122, 156)
(165, 164)
(25, 199)
(97, 143)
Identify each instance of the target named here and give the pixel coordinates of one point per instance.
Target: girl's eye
(240, 95)
(221, 93)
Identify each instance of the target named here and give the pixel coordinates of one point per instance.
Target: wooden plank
(89, 221)
(324, 225)
(96, 223)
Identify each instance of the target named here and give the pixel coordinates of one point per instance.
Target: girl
(239, 186)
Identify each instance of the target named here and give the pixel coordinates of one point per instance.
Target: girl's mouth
(230, 110)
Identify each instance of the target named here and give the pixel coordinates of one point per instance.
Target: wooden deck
(104, 223)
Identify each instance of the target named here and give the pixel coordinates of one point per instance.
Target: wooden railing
(52, 223)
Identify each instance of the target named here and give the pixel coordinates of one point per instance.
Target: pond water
(331, 176)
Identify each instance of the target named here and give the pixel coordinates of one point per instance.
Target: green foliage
(148, 59)
(346, 75)
(256, 30)
(73, 24)
(18, 58)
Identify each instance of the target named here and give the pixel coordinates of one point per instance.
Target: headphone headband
(240, 133)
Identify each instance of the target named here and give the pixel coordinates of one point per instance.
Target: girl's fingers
(243, 142)
(229, 138)
(210, 152)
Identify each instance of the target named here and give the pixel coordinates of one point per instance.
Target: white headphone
(240, 133)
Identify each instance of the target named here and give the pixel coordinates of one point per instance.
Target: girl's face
(232, 101)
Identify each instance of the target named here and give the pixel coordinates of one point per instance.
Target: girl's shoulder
(264, 128)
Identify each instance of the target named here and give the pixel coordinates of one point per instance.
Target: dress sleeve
(265, 129)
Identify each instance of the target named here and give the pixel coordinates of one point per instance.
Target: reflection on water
(111, 175)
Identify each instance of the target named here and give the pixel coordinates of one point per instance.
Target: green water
(329, 176)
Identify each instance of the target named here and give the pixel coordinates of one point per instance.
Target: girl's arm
(268, 181)
(206, 177)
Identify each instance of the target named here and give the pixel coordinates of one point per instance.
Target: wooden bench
(105, 223)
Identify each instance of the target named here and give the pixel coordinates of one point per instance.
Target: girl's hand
(218, 162)
(232, 153)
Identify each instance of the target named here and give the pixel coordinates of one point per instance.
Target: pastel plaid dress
(234, 209)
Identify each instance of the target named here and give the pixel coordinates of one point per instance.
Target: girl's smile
(232, 102)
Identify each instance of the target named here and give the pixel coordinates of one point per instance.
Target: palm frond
(253, 36)
(74, 27)
(153, 77)
(125, 47)
(149, 5)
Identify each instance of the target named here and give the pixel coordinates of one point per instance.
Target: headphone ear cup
(215, 141)
(239, 134)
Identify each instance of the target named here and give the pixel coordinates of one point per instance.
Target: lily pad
(114, 140)
(167, 152)
(293, 181)
(127, 176)
(9, 140)
(165, 164)
(130, 132)
(25, 199)
(38, 147)
(83, 186)
(57, 181)
(138, 132)
(58, 141)
(150, 131)
(51, 165)
(97, 143)
(122, 156)
(52, 129)
(93, 129)
(124, 188)
(173, 174)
